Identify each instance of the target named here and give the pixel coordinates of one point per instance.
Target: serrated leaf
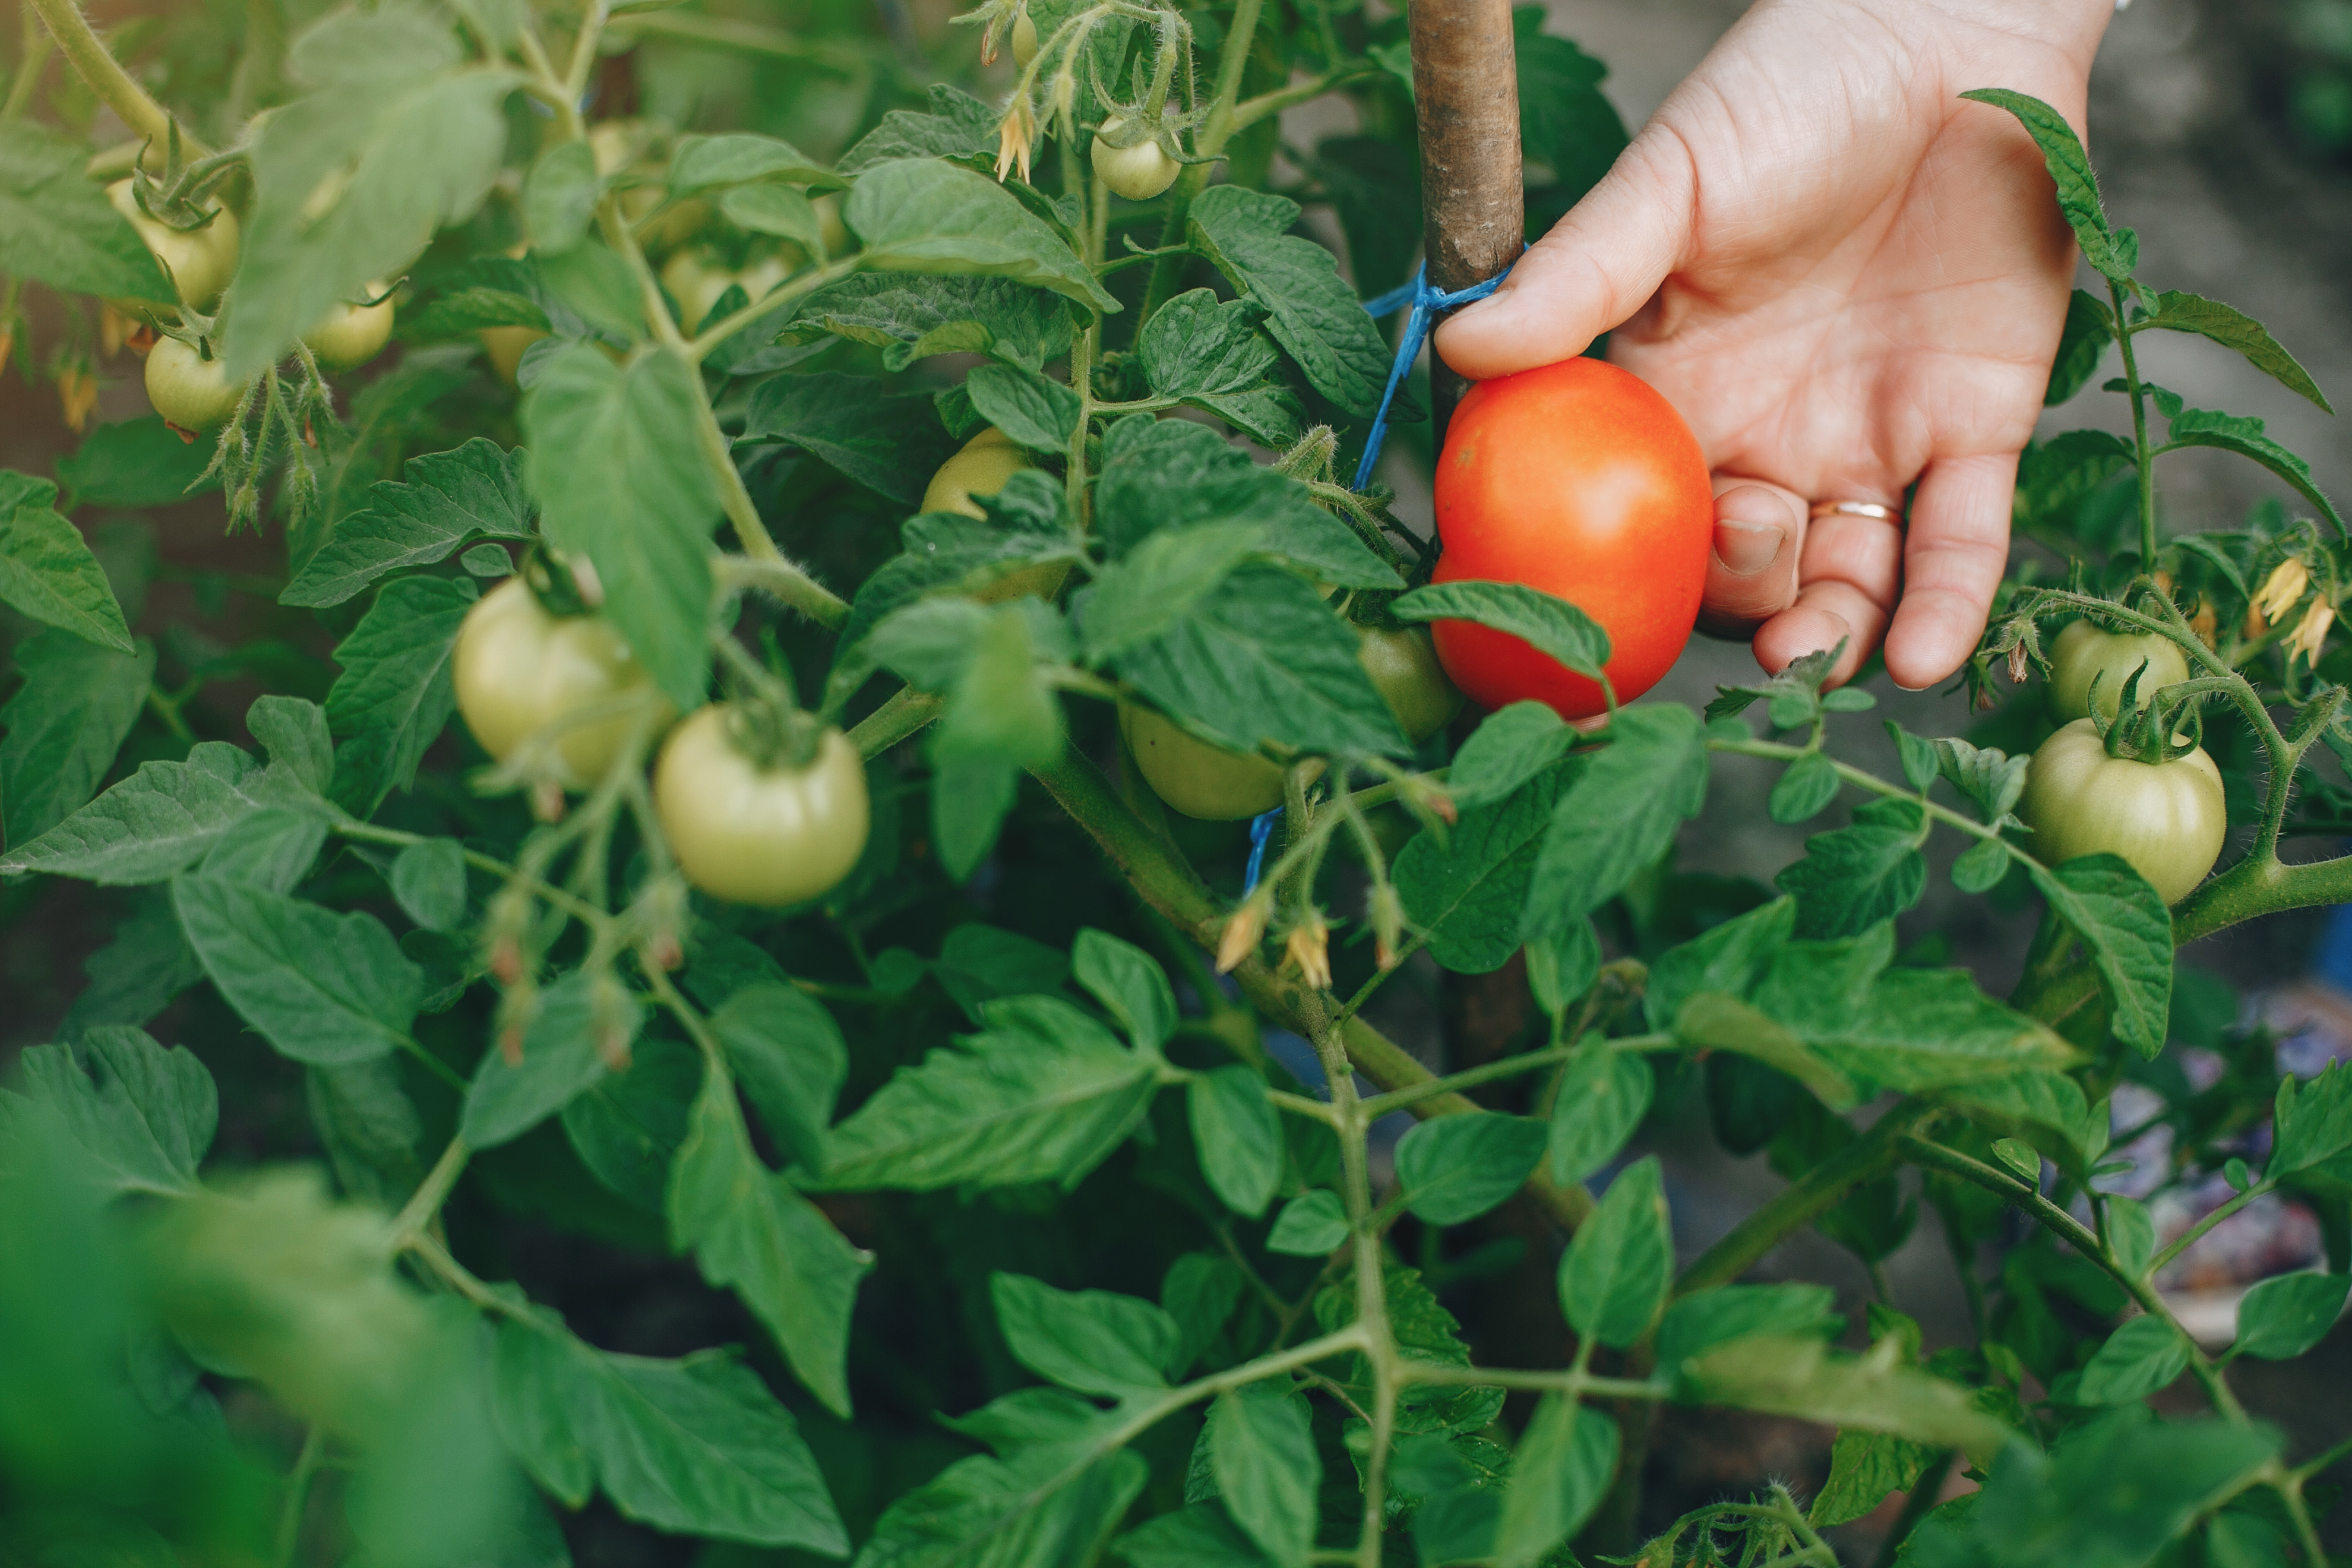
(918, 216)
(143, 1115)
(2127, 933)
(1804, 789)
(2197, 428)
(2113, 254)
(561, 1057)
(2082, 344)
(889, 442)
(48, 572)
(159, 821)
(910, 315)
(1619, 814)
(2180, 311)
(707, 163)
(1852, 879)
(1096, 1341)
(1551, 625)
(1468, 888)
(442, 500)
(1052, 1505)
(322, 988)
(64, 726)
(958, 126)
(56, 226)
(619, 474)
(1129, 982)
(787, 1052)
(1727, 959)
(1262, 1452)
(1038, 413)
(1313, 314)
(395, 693)
(1455, 1168)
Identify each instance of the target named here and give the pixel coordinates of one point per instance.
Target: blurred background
(2221, 130)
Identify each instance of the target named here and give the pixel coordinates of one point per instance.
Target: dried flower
(2019, 664)
(1308, 946)
(1244, 927)
(1016, 134)
(614, 1012)
(77, 395)
(2206, 623)
(2311, 634)
(2282, 589)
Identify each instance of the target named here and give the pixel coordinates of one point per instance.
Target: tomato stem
(104, 75)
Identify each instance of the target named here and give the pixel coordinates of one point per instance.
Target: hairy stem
(1233, 58)
(2139, 432)
(105, 75)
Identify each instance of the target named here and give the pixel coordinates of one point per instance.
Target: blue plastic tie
(1426, 303)
(1261, 829)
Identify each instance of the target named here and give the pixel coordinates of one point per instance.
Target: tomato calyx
(763, 723)
(562, 585)
(2149, 734)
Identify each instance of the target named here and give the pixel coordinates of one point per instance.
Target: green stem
(298, 1498)
(777, 576)
(906, 712)
(2139, 432)
(418, 1212)
(115, 87)
(2188, 1237)
(1821, 1189)
(1233, 59)
(32, 54)
(1925, 1494)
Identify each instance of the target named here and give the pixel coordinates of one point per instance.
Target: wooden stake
(1466, 94)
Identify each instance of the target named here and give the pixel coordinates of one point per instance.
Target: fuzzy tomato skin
(189, 390)
(200, 260)
(2084, 653)
(1139, 173)
(769, 836)
(1403, 667)
(1201, 781)
(519, 668)
(1578, 479)
(352, 334)
(2168, 819)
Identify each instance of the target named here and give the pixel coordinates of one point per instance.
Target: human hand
(1847, 278)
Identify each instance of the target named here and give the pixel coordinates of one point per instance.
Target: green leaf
(628, 1126)
(137, 975)
(1991, 781)
(559, 196)
(978, 963)
(1864, 1469)
(1096, 1341)
(1196, 345)
(1980, 867)
(273, 848)
(442, 500)
(135, 463)
(48, 572)
(294, 731)
(2178, 311)
(750, 1232)
(561, 1058)
(64, 726)
(1425, 1331)
(1310, 312)
(1156, 584)
(890, 443)
(1202, 1535)
(2055, 477)
(395, 693)
(958, 126)
(1467, 889)
(1874, 1392)
(2197, 428)
(401, 136)
(2141, 1358)
(1566, 1457)
(143, 1115)
(1455, 1168)
(2045, 1108)
(1014, 1421)
(1052, 1505)
(1551, 625)
(2312, 1124)
(1309, 1225)
(321, 987)
(1698, 1322)
(1569, 129)
(1237, 1137)
(1804, 789)
(159, 821)
(2112, 253)
(2282, 1319)
(1603, 1095)
(1562, 967)
(57, 226)
(1200, 1291)
(1614, 1275)
(428, 881)
(787, 1053)
(706, 163)
(1712, 1022)
(1618, 814)
(2131, 1232)
(1129, 982)
(778, 210)
(1038, 413)
(1265, 660)
(698, 1446)
(2127, 932)
(1854, 878)
(917, 215)
(619, 475)
(2090, 327)
(910, 317)
(1729, 958)
(1262, 1452)
(1511, 746)
(1043, 1095)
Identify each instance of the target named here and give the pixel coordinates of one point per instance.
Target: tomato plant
(458, 1112)
(1579, 481)
(2089, 668)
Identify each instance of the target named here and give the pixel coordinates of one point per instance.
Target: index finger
(1953, 557)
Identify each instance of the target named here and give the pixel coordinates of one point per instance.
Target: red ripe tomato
(1578, 479)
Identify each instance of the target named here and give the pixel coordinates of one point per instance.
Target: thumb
(1598, 266)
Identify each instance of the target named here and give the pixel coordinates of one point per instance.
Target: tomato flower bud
(610, 1007)
(2311, 634)
(1308, 946)
(2282, 589)
(1243, 930)
(1387, 910)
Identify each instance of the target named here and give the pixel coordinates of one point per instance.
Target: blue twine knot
(1426, 303)
(1261, 829)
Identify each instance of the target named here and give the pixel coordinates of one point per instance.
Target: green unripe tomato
(750, 834)
(1404, 666)
(981, 469)
(1025, 39)
(1139, 173)
(504, 348)
(2084, 653)
(696, 280)
(519, 669)
(189, 390)
(352, 334)
(2168, 819)
(201, 261)
(1194, 777)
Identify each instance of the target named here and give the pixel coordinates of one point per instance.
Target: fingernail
(1746, 548)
